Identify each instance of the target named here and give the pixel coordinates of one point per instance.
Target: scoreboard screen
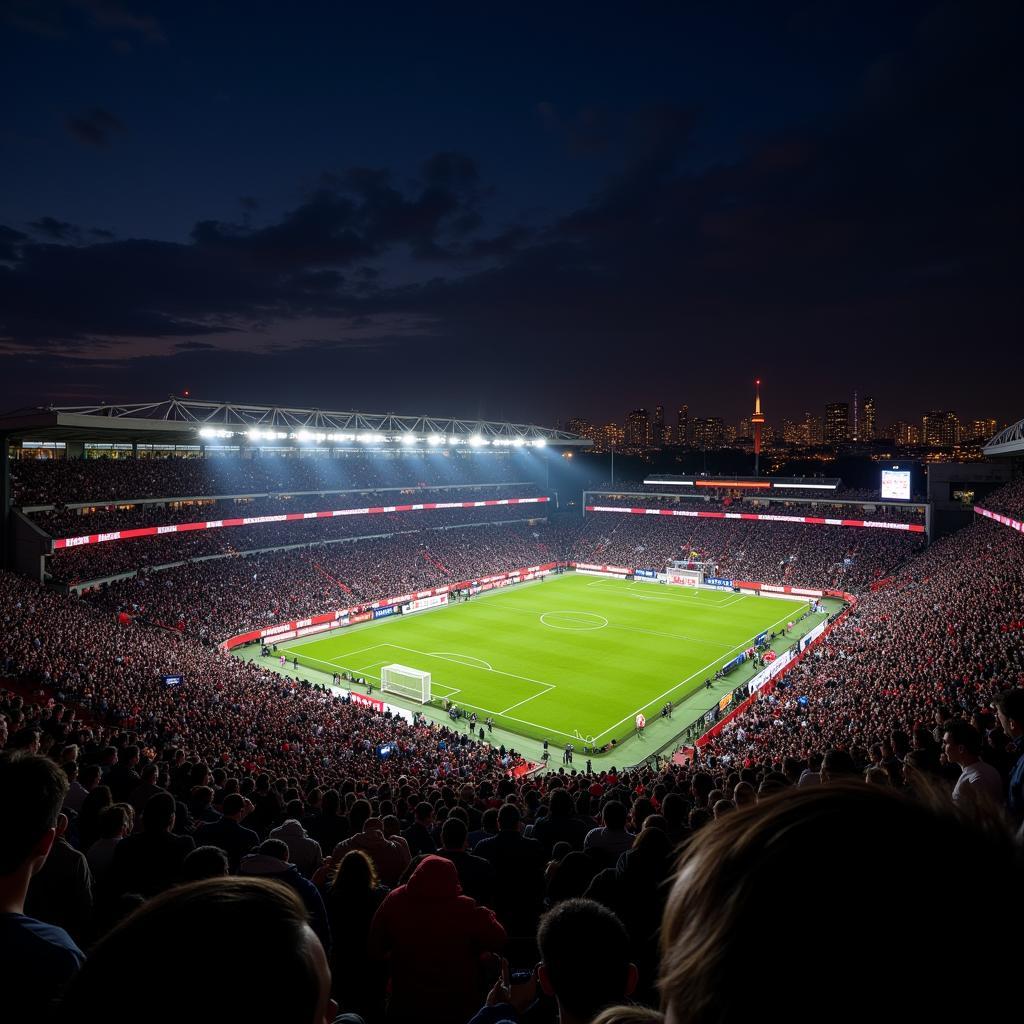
(896, 484)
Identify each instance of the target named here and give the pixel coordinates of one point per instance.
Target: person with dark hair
(303, 851)
(418, 834)
(149, 861)
(518, 865)
(270, 860)
(1010, 711)
(38, 959)
(476, 875)
(352, 895)
(961, 743)
(252, 930)
(204, 862)
(583, 977)
(390, 855)
(837, 766)
(229, 834)
(560, 824)
(431, 937)
(612, 839)
(61, 891)
(811, 855)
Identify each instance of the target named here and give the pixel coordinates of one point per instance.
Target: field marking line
(526, 700)
(496, 671)
(673, 636)
(455, 656)
(738, 647)
(574, 629)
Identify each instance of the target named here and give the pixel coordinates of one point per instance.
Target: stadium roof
(191, 421)
(1007, 442)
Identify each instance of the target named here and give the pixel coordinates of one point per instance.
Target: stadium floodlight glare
(476, 441)
(214, 432)
(435, 439)
(539, 442)
(518, 443)
(341, 437)
(371, 438)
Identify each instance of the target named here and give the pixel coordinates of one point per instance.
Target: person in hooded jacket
(433, 937)
(271, 861)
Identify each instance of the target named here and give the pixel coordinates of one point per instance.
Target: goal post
(407, 682)
(685, 572)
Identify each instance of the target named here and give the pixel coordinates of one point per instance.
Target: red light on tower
(755, 421)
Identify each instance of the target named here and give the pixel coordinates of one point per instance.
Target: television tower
(755, 421)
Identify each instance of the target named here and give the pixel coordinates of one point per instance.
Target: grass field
(572, 658)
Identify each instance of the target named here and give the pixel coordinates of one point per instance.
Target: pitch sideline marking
(738, 647)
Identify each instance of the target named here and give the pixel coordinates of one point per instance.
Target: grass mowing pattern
(572, 658)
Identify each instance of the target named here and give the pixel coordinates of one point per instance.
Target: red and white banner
(1013, 524)
(763, 517)
(287, 517)
(681, 581)
(771, 588)
(603, 570)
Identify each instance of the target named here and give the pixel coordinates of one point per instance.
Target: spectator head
(32, 790)
(186, 929)
(274, 848)
(294, 809)
(613, 814)
(837, 765)
(89, 776)
(961, 742)
(1010, 711)
(744, 794)
(359, 814)
(877, 776)
(204, 862)
(509, 818)
(584, 976)
(453, 834)
(355, 873)
(26, 739)
(234, 805)
(158, 814)
(115, 821)
(722, 808)
(424, 812)
(740, 876)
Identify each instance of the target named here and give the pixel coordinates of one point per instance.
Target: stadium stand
(851, 799)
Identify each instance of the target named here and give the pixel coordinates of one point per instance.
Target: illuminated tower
(755, 422)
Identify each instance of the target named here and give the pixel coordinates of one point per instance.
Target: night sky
(562, 210)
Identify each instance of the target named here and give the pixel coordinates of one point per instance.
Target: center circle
(574, 621)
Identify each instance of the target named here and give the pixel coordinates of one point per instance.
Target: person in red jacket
(433, 937)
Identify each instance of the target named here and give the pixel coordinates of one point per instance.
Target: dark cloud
(10, 239)
(94, 128)
(55, 230)
(112, 16)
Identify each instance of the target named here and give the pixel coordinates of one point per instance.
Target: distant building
(658, 432)
(981, 430)
(683, 425)
(638, 429)
(583, 427)
(708, 432)
(940, 428)
(870, 419)
(837, 422)
(793, 432)
(743, 430)
(904, 433)
(813, 431)
(608, 438)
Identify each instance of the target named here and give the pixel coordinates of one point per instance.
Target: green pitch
(573, 658)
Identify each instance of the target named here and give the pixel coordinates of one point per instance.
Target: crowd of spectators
(95, 561)
(64, 481)
(247, 823)
(1007, 501)
(848, 558)
(215, 599)
(79, 522)
(823, 509)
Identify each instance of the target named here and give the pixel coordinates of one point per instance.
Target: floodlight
(518, 443)
(539, 442)
(476, 441)
(409, 439)
(436, 439)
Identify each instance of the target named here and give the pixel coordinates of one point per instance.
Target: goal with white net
(407, 682)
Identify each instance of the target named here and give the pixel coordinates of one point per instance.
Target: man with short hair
(390, 857)
(229, 834)
(961, 743)
(150, 861)
(417, 835)
(611, 840)
(476, 875)
(41, 957)
(518, 865)
(585, 966)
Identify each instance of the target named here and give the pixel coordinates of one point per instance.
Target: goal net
(685, 573)
(406, 682)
